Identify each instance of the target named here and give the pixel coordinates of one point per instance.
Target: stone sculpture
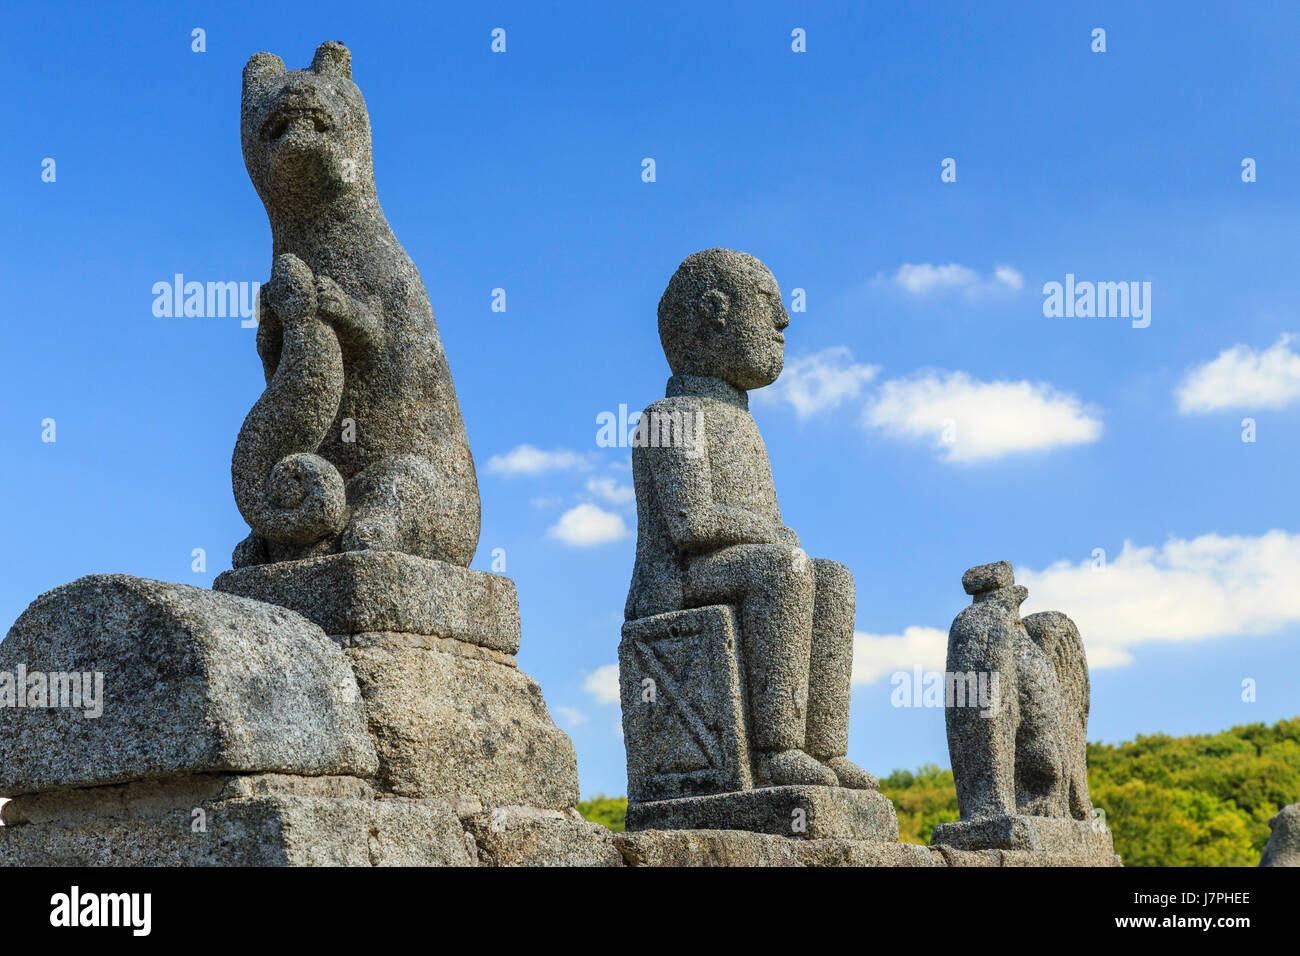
(746, 643)
(1019, 758)
(357, 442)
(352, 698)
(348, 693)
(1284, 838)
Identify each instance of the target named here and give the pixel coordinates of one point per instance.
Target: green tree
(607, 811)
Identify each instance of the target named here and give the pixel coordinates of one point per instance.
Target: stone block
(360, 591)
(214, 820)
(737, 848)
(1054, 835)
(806, 813)
(452, 720)
(684, 731)
(192, 681)
(529, 836)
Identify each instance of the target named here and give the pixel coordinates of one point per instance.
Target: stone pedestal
(806, 813)
(219, 820)
(432, 646)
(234, 731)
(454, 720)
(685, 727)
(286, 820)
(1054, 835)
(366, 591)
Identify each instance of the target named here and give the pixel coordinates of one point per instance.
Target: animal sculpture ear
(262, 68)
(334, 58)
(713, 307)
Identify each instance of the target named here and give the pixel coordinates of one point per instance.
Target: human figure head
(722, 316)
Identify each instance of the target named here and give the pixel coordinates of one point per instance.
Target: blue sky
(924, 309)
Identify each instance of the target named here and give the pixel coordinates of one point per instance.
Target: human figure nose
(782, 316)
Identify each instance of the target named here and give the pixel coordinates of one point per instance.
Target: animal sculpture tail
(288, 494)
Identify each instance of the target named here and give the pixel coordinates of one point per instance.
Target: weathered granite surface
(802, 813)
(725, 707)
(357, 442)
(1284, 838)
(1056, 835)
(387, 591)
(193, 682)
(457, 720)
(1019, 759)
(1021, 754)
(233, 821)
(681, 685)
(287, 820)
(737, 848)
(528, 836)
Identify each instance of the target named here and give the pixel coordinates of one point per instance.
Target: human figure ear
(713, 307)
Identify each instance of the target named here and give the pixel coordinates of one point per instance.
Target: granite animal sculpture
(709, 528)
(1025, 753)
(1283, 847)
(357, 443)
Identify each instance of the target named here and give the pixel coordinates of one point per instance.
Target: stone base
(733, 848)
(805, 813)
(359, 591)
(282, 820)
(285, 820)
(453, 720)
(1061, 836)
(432, 646)
(212, 820)
(527, 836)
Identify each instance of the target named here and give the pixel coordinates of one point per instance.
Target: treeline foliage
(607, 811)
(1202, 800)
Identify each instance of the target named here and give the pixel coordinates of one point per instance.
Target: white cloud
(1213, 586)
(819, 382)
(602, 684)
(529, 460)
(971, 421)
(1186, 590)
(1242, 377)
(571, 716)
(611, 490)
(923, 279)
(586, 526)
(877, 655)
(1009, 277)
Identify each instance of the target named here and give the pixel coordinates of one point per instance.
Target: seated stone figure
(710, 533)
